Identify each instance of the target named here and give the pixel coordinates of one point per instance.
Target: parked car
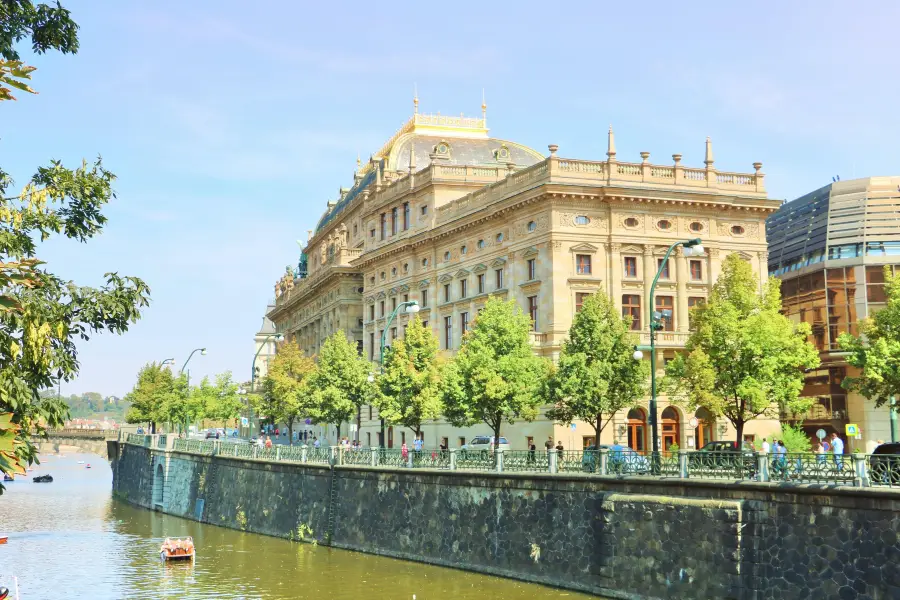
(621, 460)
(724, 455)
(212, 433)
(884, 465)
(485, 444)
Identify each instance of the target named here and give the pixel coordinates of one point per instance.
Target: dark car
(724, 457)
(884, 464)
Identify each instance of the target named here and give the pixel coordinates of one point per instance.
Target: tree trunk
(338, 428)
(597, 429)
(739, 428)
(290, 432)
(358, 421)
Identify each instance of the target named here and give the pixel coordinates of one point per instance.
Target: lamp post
(278, 338)
(168, 361)
(411, 307)
(202, 352)
(691, 248)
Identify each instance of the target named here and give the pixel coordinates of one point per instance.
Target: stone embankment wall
(621, 538)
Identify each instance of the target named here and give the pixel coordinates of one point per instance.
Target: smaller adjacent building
(829, 248)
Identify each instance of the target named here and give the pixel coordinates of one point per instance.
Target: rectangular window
(372, 346)
(406, 297)
(583, 264)
(499, 278)
(533, 311)
(446, 292)
(370, 412)
(448, 332)
(424, 209)
(424, 298)
(695, 301)
(665, 305)
(579, 299)
(393, 333)
(394, 221)
(371, 233)
(481, 283)
(393, 303)
(630, 266)
(425, 324)
(402, 437)
(464, 322)
(405, 216)
(371, 312)
(696, 270)
(462, 441)
(662, 268)
(631, 307)
(381, 306)
(532, 269)
(369, 439)
(383, 225)
(464, 288)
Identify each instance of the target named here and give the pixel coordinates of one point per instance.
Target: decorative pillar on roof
(483, 110)
(708, 161)
(610, 155)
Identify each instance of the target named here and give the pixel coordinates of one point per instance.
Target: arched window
(705, 431)
(637, 430)
(671, 428)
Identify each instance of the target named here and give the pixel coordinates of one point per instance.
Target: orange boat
(3, 539)
(177, 549)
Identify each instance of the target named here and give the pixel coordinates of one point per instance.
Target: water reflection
(70, 539)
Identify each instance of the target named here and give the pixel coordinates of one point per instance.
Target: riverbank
(622, 538)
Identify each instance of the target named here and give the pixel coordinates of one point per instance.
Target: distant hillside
(92, 405)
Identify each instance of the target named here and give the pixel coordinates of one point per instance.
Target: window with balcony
(583, 264)
(662, 269)
(631, 307)
(446, 292)
(533, 311)
(696, 270)
(630, 266)
(666, 305)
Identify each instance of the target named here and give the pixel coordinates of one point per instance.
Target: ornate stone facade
(542, 231)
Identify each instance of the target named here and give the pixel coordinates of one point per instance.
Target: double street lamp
(411, 307)
(691, 248)
(202, 352)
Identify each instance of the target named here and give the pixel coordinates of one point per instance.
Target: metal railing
(857, 470)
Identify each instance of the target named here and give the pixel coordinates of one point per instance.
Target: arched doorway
(705, 432)
(671, 428)
(637, 430)
(158, 484)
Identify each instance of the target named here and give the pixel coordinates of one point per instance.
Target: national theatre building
(445, 215)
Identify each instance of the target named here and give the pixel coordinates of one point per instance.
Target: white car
(486, 443)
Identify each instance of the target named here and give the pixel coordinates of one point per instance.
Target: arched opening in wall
(705, 432)
(637, 430)
(671, 428)
(158, 481)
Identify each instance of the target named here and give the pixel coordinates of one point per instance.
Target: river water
(71, 539)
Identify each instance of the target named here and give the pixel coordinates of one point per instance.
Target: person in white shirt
(765, 445)
(837, 448)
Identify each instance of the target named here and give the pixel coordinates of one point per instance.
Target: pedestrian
(559, 446)
(765, 445)
(417, 445)
(404, 451)
(268, 442)
(532, 451)
(316, 442)
(820, 453)
(837, 450)
(549, 444)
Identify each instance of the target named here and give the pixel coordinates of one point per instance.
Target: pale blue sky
(230, 124)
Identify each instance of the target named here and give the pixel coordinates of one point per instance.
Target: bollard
(373, 459)
(683, 471)
(552, 456)
(303, 453)
(498, 462)
(861, 470)
(452, 459)
(604, 461)
(762, 466)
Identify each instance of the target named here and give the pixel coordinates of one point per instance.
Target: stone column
(763, 258)
(649, 274)
(614, 268)
(681, 272)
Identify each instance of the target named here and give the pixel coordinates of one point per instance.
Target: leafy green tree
(286, 393)
(597, 375)
(794, 438)
(876, 352)
(409, 388)
(340, 382)
(41, 314)
(744, 359)
(151, 391)
(495, 377)
(224, 404)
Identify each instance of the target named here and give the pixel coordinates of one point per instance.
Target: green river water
(71, 539)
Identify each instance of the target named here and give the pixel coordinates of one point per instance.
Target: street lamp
(202, 352)
(411, 307)
(691, 248)
(278, 338)
(168, 361)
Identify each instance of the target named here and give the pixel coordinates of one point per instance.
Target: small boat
(4, 593)
(42, 479)
(88, 467)
(177, 549)
(80, 462)
(4, 539)
(8, 477)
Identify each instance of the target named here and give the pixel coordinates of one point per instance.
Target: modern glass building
(829, 248)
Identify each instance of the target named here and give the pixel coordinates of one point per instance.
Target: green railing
(388, 457)
(320, 456)
(475, 460)
(883, 470)
(526, 461)
(195, 446)
(431, 459)
(722, 465)
(354, 456)
(136, 439)
(573, 461)
(812, 468)
(291, 453)
(161, 441)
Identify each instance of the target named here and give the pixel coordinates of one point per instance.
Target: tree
(286, 393)
(597, 375)
(409, 387)
(41, 315)
(149, 395)
(495, 377)
(743, 359)
(876, 352)
(224, 403)
(340, 382)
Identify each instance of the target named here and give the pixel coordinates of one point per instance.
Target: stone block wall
(620, 538)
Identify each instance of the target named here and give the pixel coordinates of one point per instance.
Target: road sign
(572, 426)
(851, 429)
(245, 422)
(694, 422)
(821, 434)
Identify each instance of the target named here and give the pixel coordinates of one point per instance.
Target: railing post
(498, 454)
(762, 466)
(861, 470)
(552, 461)
(683, 464)
(452, 459)
(255, 450)
(373, 459)
(235, 450)
(409, 458)
(303, 453)
(604, 461)
(332, 455)
(277, 452)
